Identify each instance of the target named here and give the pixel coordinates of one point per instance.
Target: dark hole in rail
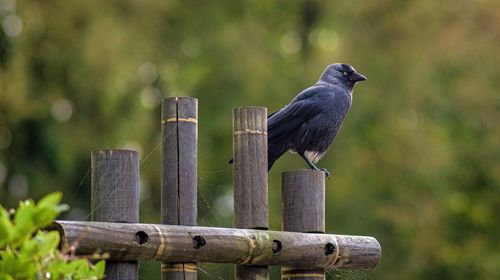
(199, 241)
(329, 249)
(262, 228)
(277, 246)
(141, 237)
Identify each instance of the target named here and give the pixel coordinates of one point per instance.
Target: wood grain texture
(179, 160)
(250, 177)
(181, 244)
(250, 167)
(122, 270)
(115, 198)
(179, 172)
(303, 196)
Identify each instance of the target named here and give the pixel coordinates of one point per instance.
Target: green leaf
(30, 248)
(7, 254)
(7, 277)
(55, 268)
(48, 243)
(6, 228)
(48, 208)
(24, 216)
(76, 264)
(45, 216)
(50, 200)
(83, 271)
(99, 268)
(18, 267)
(23, 222)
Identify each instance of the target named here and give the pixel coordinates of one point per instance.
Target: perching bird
(309, 124)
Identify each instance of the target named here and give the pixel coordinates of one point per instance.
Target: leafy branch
(28, 252)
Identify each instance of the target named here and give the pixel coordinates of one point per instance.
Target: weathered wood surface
(250, 178)
(185, 244)
(303, 195)
(250, 167)
(115, 186)
(115, 198)
(179, 120)
(179, 160)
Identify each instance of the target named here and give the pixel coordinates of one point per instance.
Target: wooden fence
(302, 249)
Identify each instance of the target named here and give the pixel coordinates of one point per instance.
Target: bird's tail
(273, 153)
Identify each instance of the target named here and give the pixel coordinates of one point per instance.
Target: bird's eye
(345, 73)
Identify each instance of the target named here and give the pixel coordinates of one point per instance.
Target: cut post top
(110, 152)
(179, 109)
(303, 172)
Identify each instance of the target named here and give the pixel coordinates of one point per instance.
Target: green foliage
(28, 252)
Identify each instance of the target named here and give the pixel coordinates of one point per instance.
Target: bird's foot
(327, 174)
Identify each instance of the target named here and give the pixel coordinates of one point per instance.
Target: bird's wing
(283, 126)
(304, 107)
(272, 114)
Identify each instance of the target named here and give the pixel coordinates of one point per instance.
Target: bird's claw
(327, 174)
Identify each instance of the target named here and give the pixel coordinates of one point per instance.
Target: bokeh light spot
(327, 39)
(224, 204)
(62, 110)
(7, 5)
(150, 97)
(145, 190)
(148, 73)
(12, 25)
(291, 42)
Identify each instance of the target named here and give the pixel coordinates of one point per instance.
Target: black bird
(309, 124)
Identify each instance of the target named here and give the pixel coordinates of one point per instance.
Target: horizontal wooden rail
(169, 243)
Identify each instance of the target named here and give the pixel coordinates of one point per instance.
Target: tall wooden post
(250, 178)
(303, 195)
(115, 198)
(179, 121)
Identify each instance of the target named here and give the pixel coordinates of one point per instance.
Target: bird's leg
(314, 167)
(310, 163)
(326, 172)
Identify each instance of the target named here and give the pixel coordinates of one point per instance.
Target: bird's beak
(356, 77)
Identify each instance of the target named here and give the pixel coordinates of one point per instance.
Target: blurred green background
(417, 163)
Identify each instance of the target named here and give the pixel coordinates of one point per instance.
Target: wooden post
(250, 178)
(115, 198)
(179, 121)
(303, 195)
